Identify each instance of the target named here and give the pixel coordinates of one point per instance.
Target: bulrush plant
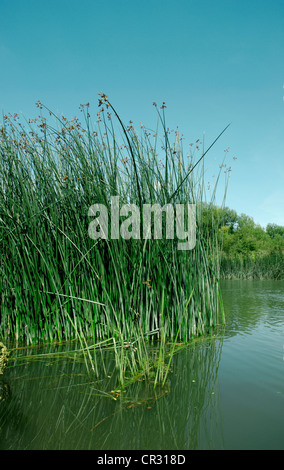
(59, 283)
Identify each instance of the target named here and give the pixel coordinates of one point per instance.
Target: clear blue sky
(212, 61)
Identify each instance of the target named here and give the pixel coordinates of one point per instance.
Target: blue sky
(212, 62)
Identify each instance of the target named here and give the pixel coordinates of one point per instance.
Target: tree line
(247, 250)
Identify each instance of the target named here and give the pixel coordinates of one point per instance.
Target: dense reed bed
(57, 283)
(267, 266)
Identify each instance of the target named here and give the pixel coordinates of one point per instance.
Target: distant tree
(239, 234)
(228, 218)
(275, 231)
(244, 220)
(246, 240)
(217, 217)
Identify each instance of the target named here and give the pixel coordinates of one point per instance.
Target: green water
(223, 393)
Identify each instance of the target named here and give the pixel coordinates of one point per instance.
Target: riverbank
(248, 267)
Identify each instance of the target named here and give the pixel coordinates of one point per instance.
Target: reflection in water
(247, 303)
(222, 392)
(56, 406)
(191, 410)
(176, 420)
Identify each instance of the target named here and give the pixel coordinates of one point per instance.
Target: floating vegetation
(4, 354)
(56, 405)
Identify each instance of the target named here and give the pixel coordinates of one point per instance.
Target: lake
(223, 392)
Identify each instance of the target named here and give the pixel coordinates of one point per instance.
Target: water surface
(226, 392)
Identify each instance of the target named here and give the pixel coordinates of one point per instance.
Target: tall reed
(56, 282)
(259, 266)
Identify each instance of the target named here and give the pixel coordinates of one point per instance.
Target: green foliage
(246, 240)
(57, 283)
(215, 217)
(248, 251)
(245, 221)
(252, 266)
(275, 231)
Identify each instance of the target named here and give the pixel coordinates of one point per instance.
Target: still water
(225, 392)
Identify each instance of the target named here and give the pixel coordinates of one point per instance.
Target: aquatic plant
(252, 266)
(4, 354)
(51, 390)
(57, 283)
